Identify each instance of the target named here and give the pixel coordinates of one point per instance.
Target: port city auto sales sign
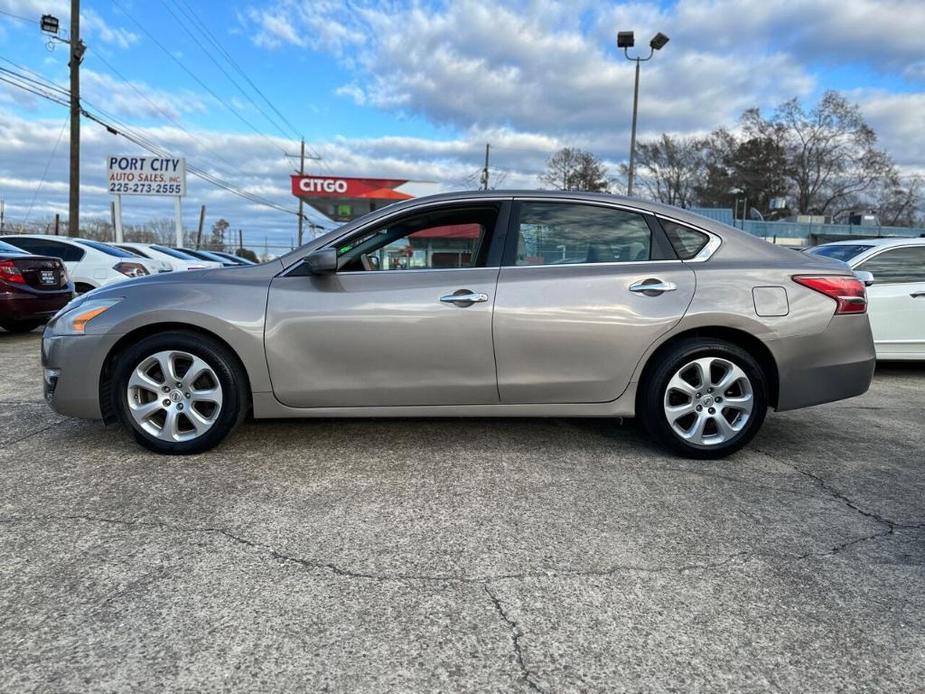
(137, 175)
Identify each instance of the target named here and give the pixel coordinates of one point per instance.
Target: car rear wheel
(705, 398)
(179, 393)
(20, 326)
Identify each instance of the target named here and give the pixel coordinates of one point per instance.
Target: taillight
(848, 292)
(10, 272)
(131, 269)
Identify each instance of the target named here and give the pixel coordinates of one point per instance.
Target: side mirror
(866, 277)
(322, 262)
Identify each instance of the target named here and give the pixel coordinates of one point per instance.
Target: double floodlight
(49, 24)
(627, 39)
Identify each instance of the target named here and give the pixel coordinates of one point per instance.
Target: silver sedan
(493, 304)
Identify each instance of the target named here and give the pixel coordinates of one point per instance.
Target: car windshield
(109, 250)
(11, 250)
(179, 255)
(843, 251)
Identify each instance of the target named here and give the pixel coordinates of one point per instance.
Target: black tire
(227, 369)
(20, 326)
(651, 403)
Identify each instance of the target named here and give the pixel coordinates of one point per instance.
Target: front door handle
(652, 287)
(916, 295)
(464, 297)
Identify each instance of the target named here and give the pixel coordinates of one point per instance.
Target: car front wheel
(179, 393)
(705, 398)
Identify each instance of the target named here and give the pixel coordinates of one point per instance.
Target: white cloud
(533, 66)
(136, 99)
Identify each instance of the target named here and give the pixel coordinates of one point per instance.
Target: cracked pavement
(463, 555)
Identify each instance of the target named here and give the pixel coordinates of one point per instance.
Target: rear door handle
(464, 297)
(916, 295)
(652, 287)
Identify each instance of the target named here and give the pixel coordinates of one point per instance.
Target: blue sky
(414, 89)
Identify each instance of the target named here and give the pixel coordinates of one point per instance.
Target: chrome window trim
(610, 263)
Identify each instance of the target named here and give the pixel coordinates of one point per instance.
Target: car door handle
(651, 287)
(464, 297)
(916, 295)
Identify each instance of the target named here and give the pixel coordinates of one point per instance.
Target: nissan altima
(495, 304)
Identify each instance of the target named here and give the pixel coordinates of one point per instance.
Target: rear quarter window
(687, 242)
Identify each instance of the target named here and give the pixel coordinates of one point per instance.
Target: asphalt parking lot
(451, 555)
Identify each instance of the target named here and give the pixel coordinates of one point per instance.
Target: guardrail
(795, 230)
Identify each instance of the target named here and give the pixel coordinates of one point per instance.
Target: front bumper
(833, 365)
(72, 367)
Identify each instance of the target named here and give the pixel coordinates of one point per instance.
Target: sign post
(117, 223)
(137, 175)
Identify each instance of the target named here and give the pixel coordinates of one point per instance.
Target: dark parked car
(32, 288)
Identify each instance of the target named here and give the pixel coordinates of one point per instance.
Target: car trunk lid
(42, 273)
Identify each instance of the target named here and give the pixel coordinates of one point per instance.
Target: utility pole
(301, 172)
(301, 203)
(202, 219)
(2, 210)
(240, 240)
(77, 50)
(485, 170)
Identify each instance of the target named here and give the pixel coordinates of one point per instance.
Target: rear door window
(560, 233)
(50, 247)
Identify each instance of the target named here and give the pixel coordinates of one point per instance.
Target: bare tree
(574, 169)
(830, 153)
(900, 201)
(670, 168)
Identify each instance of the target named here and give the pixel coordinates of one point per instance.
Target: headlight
(74, 320)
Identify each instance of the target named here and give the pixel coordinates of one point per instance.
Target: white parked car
(90, 264)
(177, 260)
(896, 299)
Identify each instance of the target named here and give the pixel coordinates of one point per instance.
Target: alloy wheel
(174, 396)
(708, 401)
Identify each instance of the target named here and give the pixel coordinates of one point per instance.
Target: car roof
(880, 242)
(44, 237)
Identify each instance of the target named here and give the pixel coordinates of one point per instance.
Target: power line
(157, 107)
(194, 76)
(211, 57)
(17, 16)
(191, 13)
(54, 151)
(128, 133)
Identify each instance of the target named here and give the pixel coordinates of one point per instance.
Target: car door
(572, 314)
(405, 320)
(896, 301)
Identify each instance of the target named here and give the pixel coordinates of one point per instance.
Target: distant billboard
(135, 175)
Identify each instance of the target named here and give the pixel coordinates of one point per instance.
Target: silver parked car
(476, 304)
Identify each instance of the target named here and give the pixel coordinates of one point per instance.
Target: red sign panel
(342, 187)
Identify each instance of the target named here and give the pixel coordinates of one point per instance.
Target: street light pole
(626, 40)
(632, 172)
